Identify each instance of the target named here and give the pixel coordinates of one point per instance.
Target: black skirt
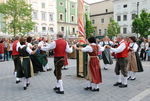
(107, 57)
(139, 64)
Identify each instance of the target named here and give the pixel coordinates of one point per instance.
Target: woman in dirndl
(94, 69)
(134, 59)
(106, 55)
(26, 69)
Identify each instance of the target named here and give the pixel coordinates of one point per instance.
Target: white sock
(47, 67)
(57, 84)
(106, 66)
(125, 80)
(15, 74)
(119, 78)
(89, 84)
(17, 79)
(61, 85)
(129, 74)
(97, 86)
(44, 68)
(132, 75)
(25, 82)
(93, 85)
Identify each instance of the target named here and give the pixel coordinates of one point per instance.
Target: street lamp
(137, 9)
(137, 13)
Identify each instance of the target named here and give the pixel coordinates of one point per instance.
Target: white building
(45, 16)
(126, 10)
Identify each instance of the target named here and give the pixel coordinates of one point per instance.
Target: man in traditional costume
(60, 47)
(16, 58)
(94, 71)
(122, 61)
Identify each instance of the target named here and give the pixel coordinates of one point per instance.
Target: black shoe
(88, 88)
(117, 84)
(59, 92)
(65, 68)
(123, 86)
(28, 84)
(56, 88)
(49, 69)
(129, 78)
(25, 88)
(133, 79)
(18, 81)
(105, 68)
(95, 90)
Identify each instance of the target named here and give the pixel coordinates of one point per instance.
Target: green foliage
(89, 29)
(141, 25)
(17, 16)
(113, 29)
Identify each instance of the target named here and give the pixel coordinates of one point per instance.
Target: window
(124, 17)
(61, 17)
(133, 16)
(61, 3)
(125, 6)
(35, 15)
(51, 16)
(43, 29)
(100, 31)
(43, 16)
(93, 21)
(51, 29)
(124, 30)
(105, 31)
(62, 29)
(72, 18)
(102, 20)
(106, 10)
(43, 5)
(35, 29)
(118, 18)
(73, 6)
(73, 30)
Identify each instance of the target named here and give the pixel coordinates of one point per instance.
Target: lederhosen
(106, 55)
(59, 63)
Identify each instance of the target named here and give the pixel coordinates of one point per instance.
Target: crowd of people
(30, 57)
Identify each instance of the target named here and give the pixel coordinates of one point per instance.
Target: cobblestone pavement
(41, 88)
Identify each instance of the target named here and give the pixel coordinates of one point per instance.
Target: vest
(60, 50)
(14, 51)
(124, 53)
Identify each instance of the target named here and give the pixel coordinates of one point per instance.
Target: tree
(89, 29)
(141, 25)
(113, 28)
(17, 16)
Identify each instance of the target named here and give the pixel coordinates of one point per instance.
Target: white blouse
(88, 48)
(134, 46)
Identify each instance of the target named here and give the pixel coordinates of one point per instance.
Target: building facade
(67, 17)
(126, 10)
(101, 14)
(45, 16)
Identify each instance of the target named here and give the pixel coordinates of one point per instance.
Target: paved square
(41, 88)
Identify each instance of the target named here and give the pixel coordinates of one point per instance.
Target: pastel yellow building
(101, 13)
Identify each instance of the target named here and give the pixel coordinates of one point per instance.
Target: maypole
(81, 57)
